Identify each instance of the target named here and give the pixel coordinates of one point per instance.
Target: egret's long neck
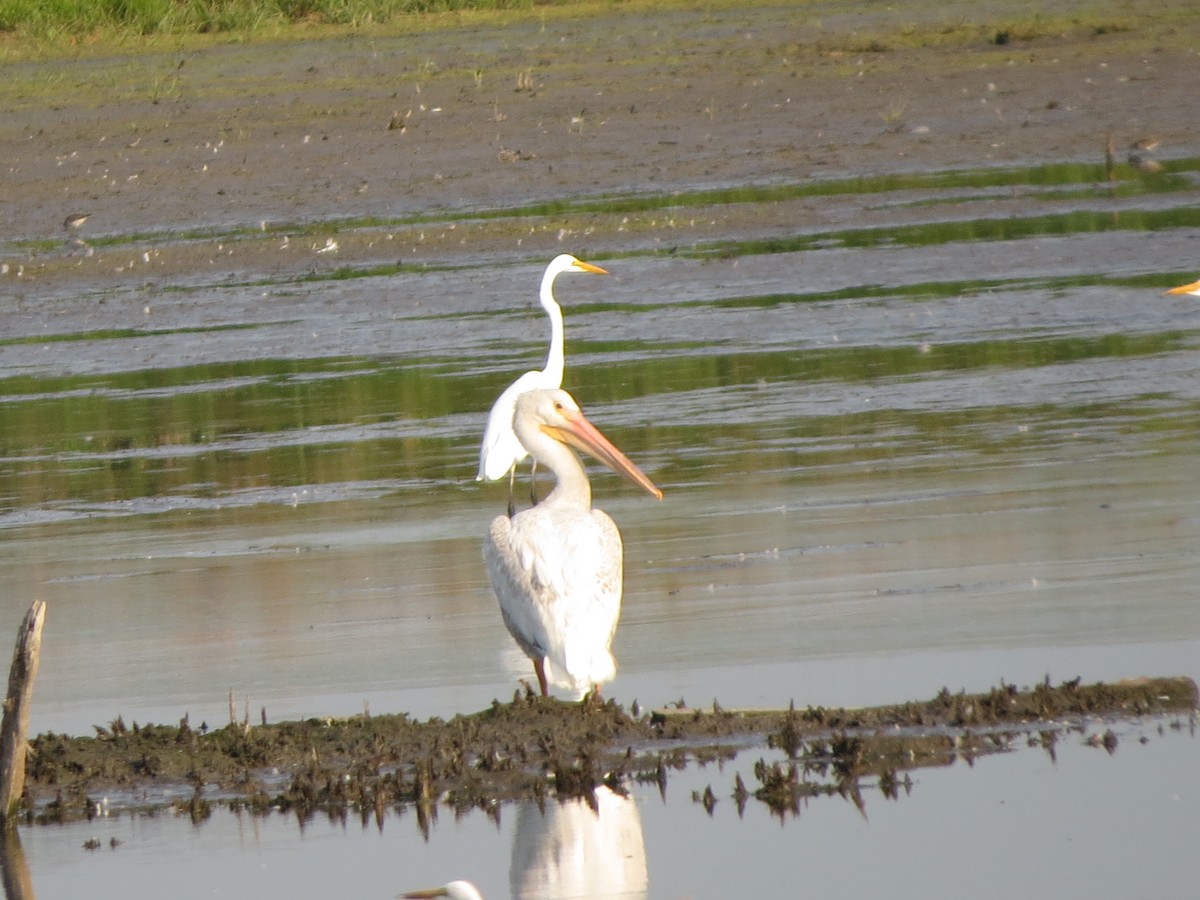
(572, 487)
(554, 359)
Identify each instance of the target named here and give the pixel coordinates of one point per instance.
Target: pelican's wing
(501, 450)
(557, 575)
(591, 614)
(510, 575)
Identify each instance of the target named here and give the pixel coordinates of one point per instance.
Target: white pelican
(455, 890)
(556, 567)
(1193, 288)
(501, 451)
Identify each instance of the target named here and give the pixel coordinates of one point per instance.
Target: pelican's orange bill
(583, 435)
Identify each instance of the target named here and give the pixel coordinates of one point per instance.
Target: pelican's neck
(572, 488)
(554, 359)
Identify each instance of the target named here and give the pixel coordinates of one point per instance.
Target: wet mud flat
(533, 749)
(275, 161)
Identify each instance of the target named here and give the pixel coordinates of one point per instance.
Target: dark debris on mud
(537, 749)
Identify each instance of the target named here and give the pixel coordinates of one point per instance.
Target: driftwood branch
(15, 724)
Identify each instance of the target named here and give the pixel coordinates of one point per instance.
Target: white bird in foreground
(455, 890)
(1193, 289)
(501, 451)
(556, 567)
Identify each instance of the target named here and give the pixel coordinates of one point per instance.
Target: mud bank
(241, 162)
(537, 749)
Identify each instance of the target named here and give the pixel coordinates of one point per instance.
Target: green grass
(80, 18)
(59, 27)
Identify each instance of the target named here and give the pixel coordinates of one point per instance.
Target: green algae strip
(1088, 179)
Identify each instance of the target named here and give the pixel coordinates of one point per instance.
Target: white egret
(1193, 289)
(501, 451)
(556, 567)
(455, 890)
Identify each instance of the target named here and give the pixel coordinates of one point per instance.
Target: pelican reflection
(575, 850)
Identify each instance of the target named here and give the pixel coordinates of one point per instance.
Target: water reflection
(326, 431)
(577, 848)
(14, 869)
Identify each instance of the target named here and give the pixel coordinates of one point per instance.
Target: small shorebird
(1140, 155)
(1145, 164)
(74, 221)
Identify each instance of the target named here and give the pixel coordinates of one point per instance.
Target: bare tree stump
(15, 724)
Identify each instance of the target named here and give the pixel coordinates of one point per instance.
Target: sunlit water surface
(879, 480)
(865, 514)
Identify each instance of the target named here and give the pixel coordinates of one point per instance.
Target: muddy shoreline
(534, 749)
(236, 162)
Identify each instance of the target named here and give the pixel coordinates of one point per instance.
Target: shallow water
(916, 484)
(889, 466)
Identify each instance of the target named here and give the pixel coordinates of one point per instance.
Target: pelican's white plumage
(557, 568)
(501, 451)
(1192, 288)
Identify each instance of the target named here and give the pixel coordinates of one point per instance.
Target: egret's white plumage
(501, 451)
(1192, 288)
(455, 890)
(556, 568)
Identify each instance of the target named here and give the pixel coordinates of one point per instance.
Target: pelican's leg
(512, 477)
(533, 483)
(539, 668)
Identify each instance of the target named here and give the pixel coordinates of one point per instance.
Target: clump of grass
(65, 18)
(50, 18)
(1040, 27)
